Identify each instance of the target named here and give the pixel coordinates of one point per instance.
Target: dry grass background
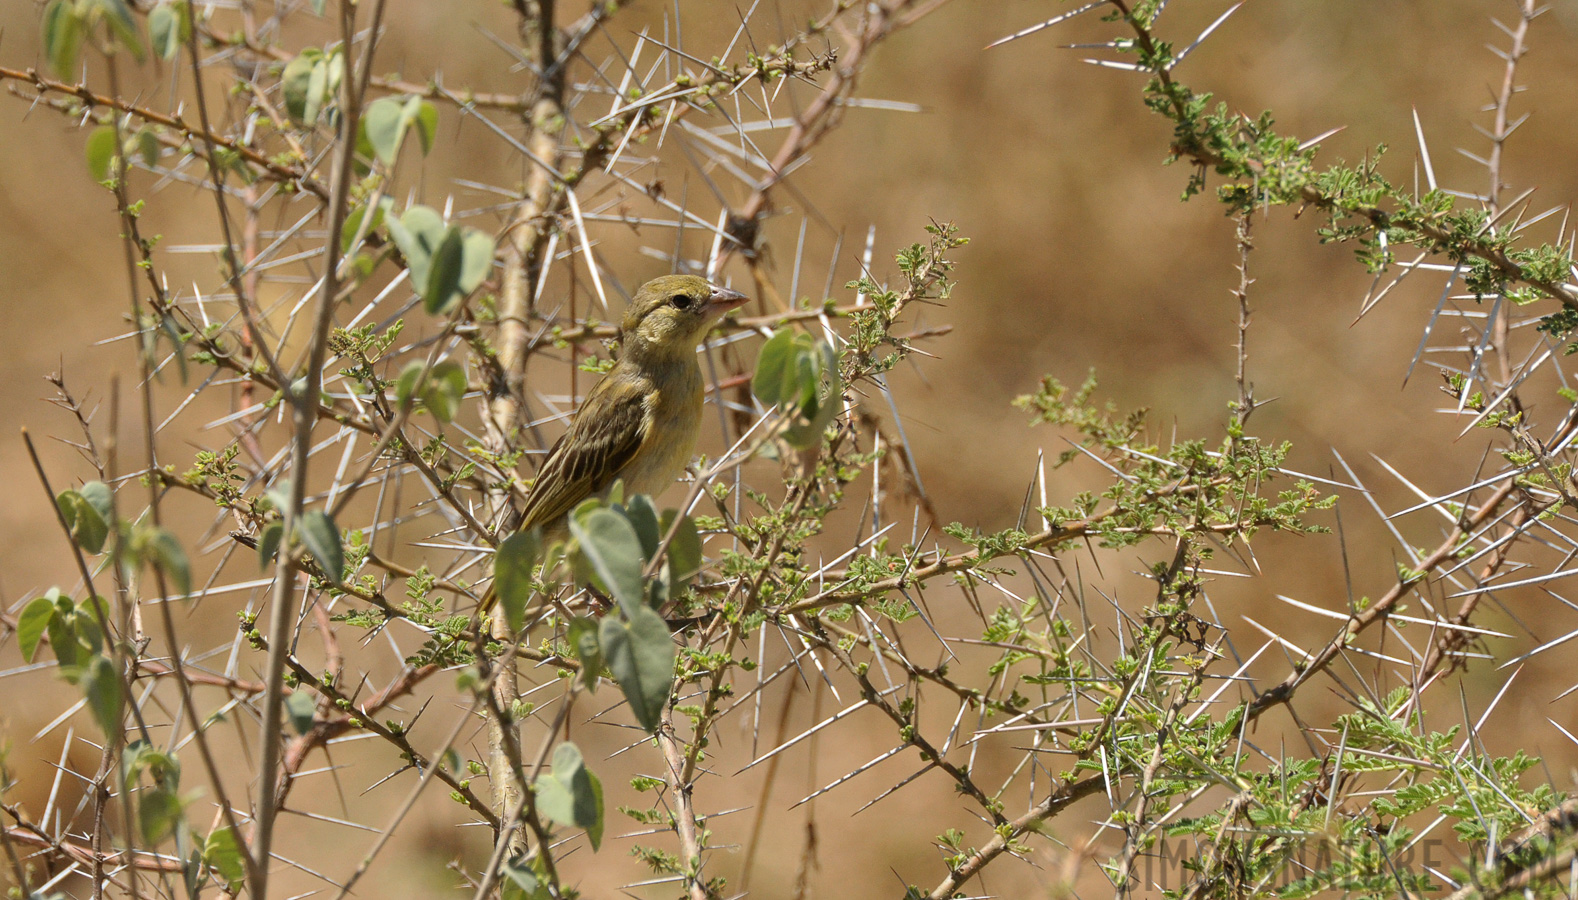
(1082, 257)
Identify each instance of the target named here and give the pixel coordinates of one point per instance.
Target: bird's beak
(722, 299)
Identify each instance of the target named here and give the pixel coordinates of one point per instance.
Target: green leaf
(405, 384)
(512, 570)
(119, 17)
(63, 35)
(222, 853)
(101, 685)
(295, 81)
(268, 542)
(87, 526)
(387, 121)
(167, 30)
(317, 91)
(100, 497)
(158, 812)
(425, 116)
(772, 364)
(353, 223)
(62, 628)
(300, 709)
(519, 882)
(441, 393)
(476, 259)
(609, 545)
(139, 756)
(35, 619)
(641, 655)
(684, 549)
(446, 386)
(442, 289)
(582, 636)
(570, 795)
(86, 622)
(146, 146)
(644, 519)
(322, 538)
(166, 553)
(384, 123)
(101, 152)
(417, 233)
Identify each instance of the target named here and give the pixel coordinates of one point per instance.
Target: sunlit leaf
(101, 686)
(32, 624)
(684, 549)
(384, 123)
(476, 258)
(63, 33)
(158, 812)
(222, 853)
(570, 794)
(300, 709)
(119, 17)
(512, 573)
(442, 290)
(268, 542)
(100, 150)
(641, 655)
(581, 632)
(612, 551)
(322, 539)
(166, 553)
(446, 386)
(167, 30)
(88, 527)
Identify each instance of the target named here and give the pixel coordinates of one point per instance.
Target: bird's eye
(680, 301)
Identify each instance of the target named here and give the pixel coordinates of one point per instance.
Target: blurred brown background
(1081, 257)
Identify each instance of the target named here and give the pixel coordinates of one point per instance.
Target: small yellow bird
(639, 423)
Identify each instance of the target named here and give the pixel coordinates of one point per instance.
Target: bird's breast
(673, 413)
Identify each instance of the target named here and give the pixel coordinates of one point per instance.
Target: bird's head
(673, 313)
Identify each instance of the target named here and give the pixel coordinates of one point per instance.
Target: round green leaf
(644, 519)
(101, 152)
(442, 290)
(32, 623)
(101, 685)
(119, 17)
(166, 553)
(98, 495)
(63, 33)
(88, 527)
(268, 542)
(300, 709)
(446, 386)
(570, 794)
(322, 540)
(383, 123)
(158, 812)
(417, 233)
(512, 570)
(612, 551)
(424, 116)
(295, 81)
(582, 636)
(222, 853)
(684, 549)
(775, 358)
(641, 656)
(167, 30)
(476, 258)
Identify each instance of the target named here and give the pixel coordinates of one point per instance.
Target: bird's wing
(604, 436)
